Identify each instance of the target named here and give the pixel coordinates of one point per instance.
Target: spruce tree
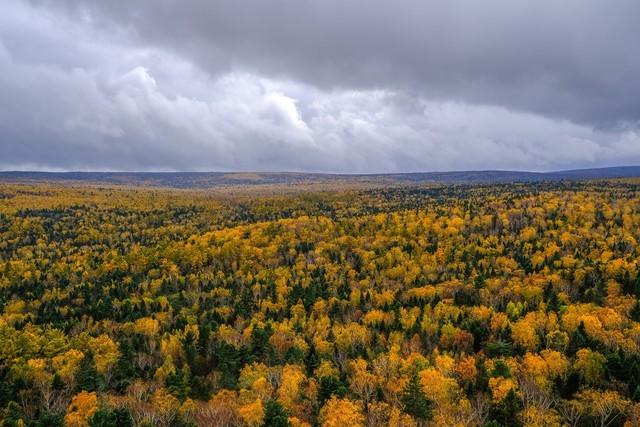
(330, 386)
(414, 401)
(506, 412)
(275, 415)
(107, 417)
(87, 377)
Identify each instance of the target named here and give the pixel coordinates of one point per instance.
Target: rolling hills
(216, 179)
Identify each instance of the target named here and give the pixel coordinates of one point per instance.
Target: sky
(340, 86)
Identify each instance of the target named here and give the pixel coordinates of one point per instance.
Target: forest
(479, 305)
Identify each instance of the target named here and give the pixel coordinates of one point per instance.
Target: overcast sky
(319, 85)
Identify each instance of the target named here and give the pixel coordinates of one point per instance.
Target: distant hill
(216, 179)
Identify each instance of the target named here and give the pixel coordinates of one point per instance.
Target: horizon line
(550, 171)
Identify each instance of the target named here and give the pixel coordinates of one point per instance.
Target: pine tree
(330, 386)
(50, 419)
(311, 360)
(204, 336)
(178, 383)
(414, 400)
(189, 346)
(506, 412)
(578, 340)
(87, 377)
(635, 312)
(13, 416)
(275, 415)
(106, 417)
(124, 371)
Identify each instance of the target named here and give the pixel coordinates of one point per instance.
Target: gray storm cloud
(330, 86)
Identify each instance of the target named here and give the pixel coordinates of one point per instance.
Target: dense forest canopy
(458, 305)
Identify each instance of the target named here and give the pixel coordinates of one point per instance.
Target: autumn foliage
(512, 305)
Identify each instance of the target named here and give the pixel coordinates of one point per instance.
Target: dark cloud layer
(578, 59)
(332, 85)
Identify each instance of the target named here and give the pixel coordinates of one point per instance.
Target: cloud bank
(329, 86)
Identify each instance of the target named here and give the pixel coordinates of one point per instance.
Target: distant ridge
(215, 179)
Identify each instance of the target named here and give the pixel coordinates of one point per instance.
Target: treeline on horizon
(464, 305)
(212, 180)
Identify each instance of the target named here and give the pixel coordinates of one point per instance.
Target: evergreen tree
(13, 416)
(635, 312)
(5, 388)
(330, 386)
(259, 348)
(189, 346)
(178, 383)
(87, 377)
(204, 335)
(499, 348)
(414, 401)
(500, 369)
(107, 417)
(123, 417)
(199, 388)
(578, 340)
(311, 360)
(124, 370)
(275, 415)
(228, 360)
(103, 417)
(506, 412)
(50, 419)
